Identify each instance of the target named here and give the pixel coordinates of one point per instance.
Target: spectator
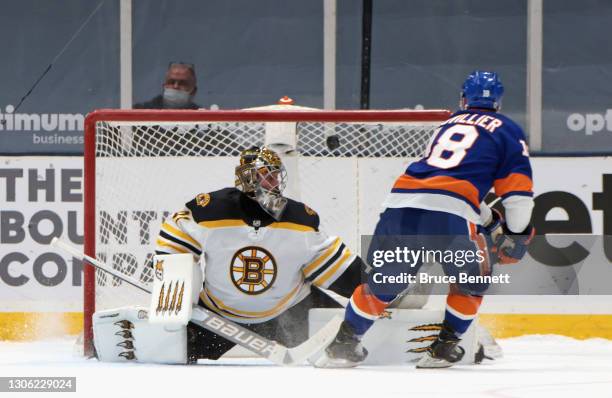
(178, 90)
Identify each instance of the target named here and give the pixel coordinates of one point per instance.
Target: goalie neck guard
(262, 176)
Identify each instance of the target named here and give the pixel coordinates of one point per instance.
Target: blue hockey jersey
(472, 152)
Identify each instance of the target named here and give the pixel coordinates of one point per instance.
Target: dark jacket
(158, 103)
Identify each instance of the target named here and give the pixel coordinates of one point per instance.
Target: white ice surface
(533, 366)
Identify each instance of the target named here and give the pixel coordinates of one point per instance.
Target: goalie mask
(262, 176)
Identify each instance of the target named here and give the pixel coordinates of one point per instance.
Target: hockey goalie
(249, 254)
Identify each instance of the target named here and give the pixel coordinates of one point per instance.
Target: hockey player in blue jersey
(441, 195)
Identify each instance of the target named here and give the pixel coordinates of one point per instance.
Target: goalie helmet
(262, 176)
(482, 90)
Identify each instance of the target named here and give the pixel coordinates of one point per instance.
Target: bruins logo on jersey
(253, 270)
(203, 199)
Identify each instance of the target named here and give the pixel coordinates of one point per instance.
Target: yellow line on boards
(24, 326)
(578, 326)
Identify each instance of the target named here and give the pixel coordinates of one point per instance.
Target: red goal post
(135, 156)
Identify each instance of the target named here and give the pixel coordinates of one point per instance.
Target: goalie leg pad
(125, 334)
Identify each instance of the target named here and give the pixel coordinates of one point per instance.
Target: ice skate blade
(325, 362)
(428, 362)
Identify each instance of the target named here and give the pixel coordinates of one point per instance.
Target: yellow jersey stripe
(320, 281)
(254, 314)
(179, 249)
(180, 234)
(181, 215)
(222, 223)
(291, 226)
(310, 268)
(211, 305)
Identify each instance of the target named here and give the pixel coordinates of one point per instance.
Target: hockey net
(142, 165)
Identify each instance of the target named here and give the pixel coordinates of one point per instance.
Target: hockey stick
(229, 330)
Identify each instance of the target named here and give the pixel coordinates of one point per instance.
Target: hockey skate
(443, 352)
(346, 351)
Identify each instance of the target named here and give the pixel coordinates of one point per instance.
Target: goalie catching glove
(505, 246)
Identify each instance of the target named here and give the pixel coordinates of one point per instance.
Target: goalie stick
(229, 330)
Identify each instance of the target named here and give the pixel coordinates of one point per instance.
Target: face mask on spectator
(174, 98)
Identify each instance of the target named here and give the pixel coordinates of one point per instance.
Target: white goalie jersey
(255, 267)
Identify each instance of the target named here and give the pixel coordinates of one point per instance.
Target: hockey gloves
(505, 246)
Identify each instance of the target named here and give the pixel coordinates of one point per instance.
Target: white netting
(146, 170)
(229, 138)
